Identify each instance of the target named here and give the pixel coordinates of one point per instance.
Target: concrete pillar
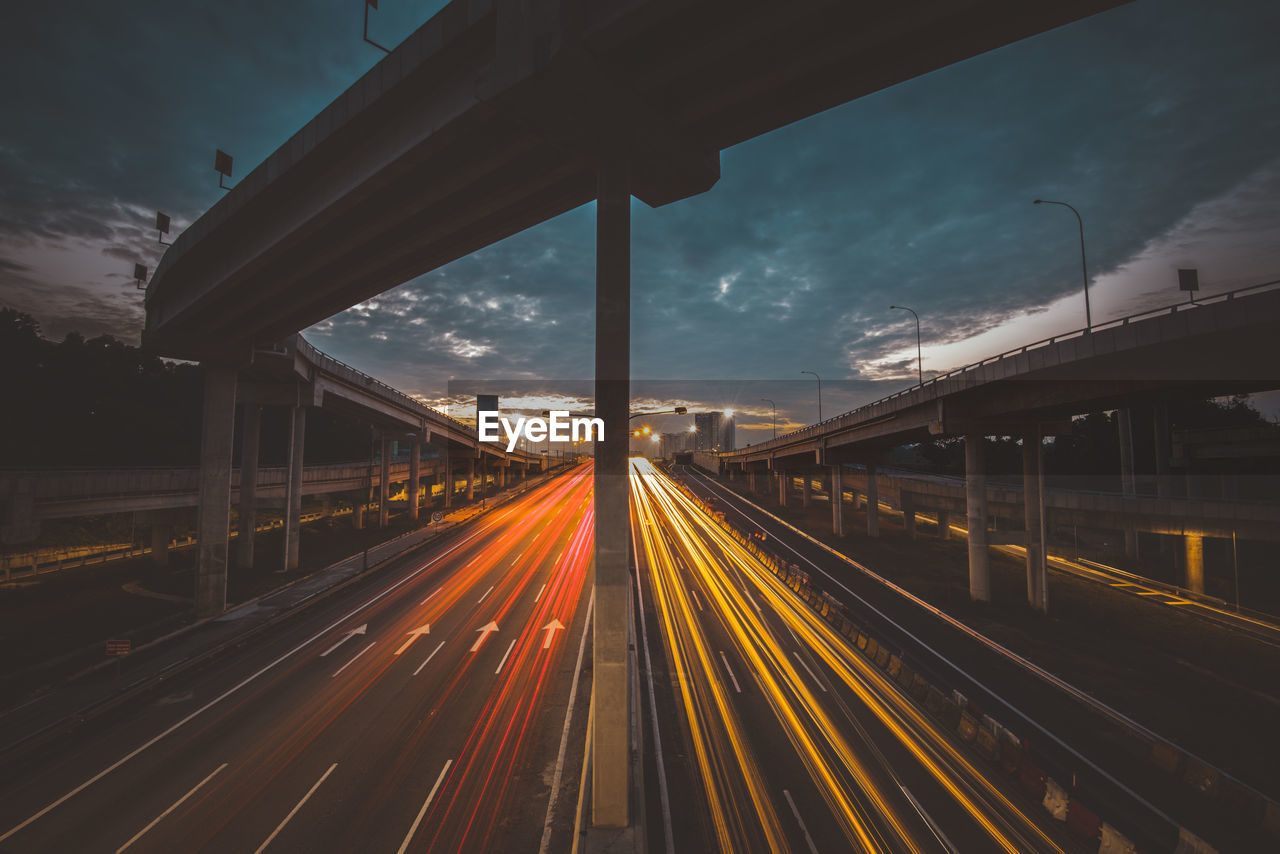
(502, 477)
(837, 502)
(751, 481)
(1163, 450)
(161, 534)
(806, 491)
(784, 481)
(471, 478)
(384, 482)
(415, 477)
(1195, 563)
(1033, 505)
(250, 433)
(1128, 480)
(975, 487)
(944, 525)
(293, 487)
(357, 514)
(611, 685)
(448, 479)
(873, 502)
(908, 517)
(214, 514)
(730, 467)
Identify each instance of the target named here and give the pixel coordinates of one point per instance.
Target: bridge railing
(1175, 308)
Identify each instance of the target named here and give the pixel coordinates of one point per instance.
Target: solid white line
(234, 688)
(928, 819)
(811, 673)
(669, 837)
(795, 812)
(175, 805)
(539, 596)
(564, 734)
(504, 656)
(422, 812)
(696, 600)
(486, 593)
(736, 686)
(294, 811)
(353, 659)
(429, 657)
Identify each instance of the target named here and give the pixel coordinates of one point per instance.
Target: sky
(1157, 121)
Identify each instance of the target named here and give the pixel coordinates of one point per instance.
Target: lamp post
(819, 379)
(919, 358)
(774, 407)
(1084, 269)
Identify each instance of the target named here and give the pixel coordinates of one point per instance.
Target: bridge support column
(357, 513)
(161, 534)
(751, 481)
(1128, 482)
(415, 477)
(1033, 504)
(471, 479)
(1163, 450)
(1195, 562)
(611, 732)
(837, 502)
(447, 479)
(502, 477)
(384, 487)
(975, 487)
(293, 487)
(250, 434)
(873, 502)
(784, 481)
(806, 491)
(944, 525)
(217, 434)
(908, 516)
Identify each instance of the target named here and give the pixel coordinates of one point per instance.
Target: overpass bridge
(1218, 346)
(497, 115)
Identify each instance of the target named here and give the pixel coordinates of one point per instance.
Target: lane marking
(484, 631)
(486, 593)
(928, 819)
(551, 628)
(696, 600)
(413, 636)
(428, 599)
(564, 733)
(358, 630)
(736, 686)
(294, 811)
(813, 849)
(173, 807)
(353, 660)
(817, 681)
(422, 812)
(429, 657)
(248, 679)
(507, 653)
(668, 835)
(539, 596)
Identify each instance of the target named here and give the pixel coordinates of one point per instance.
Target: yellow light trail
(933, 748)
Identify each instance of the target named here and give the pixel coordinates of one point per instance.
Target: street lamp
(819, 379)
(775, 415)
(919, 358)
(1088, 316)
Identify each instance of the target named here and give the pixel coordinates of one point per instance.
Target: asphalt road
(423, 709)
(797, 742)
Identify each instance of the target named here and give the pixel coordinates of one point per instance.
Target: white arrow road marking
(175, 805)
(551, 628)
(348, 636)
(484, 633)
(413, 636)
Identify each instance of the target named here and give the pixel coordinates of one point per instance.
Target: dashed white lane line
(539, 596)
(816, 680)
(294, 811)
(486, 593)
(428, 599)
(813, 849)
(504, 656)
(173, 807)
(696, 600)
(353, 660)
(736, 686)
(428, 658)
(426, 804)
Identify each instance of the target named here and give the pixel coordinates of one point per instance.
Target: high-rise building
(715, 431)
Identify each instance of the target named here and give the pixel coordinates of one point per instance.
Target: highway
(796, 741)
(423, 708)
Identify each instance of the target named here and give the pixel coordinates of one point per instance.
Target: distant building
(671, 444)
(715, 431)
